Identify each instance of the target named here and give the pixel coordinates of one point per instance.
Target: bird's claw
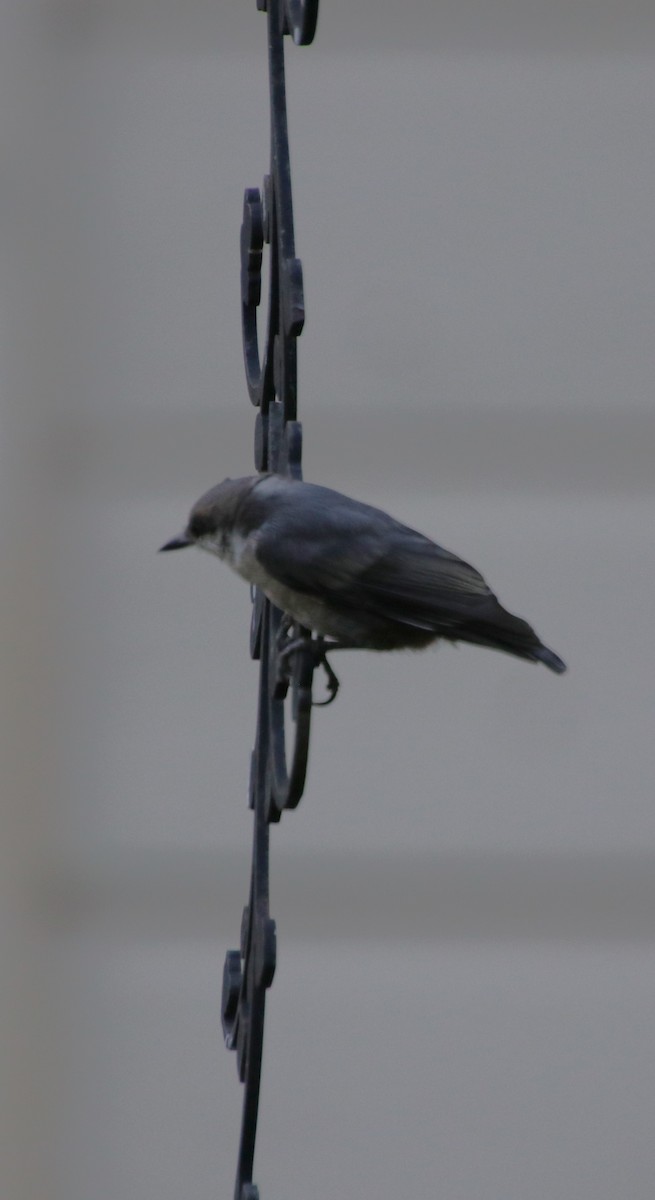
(331, 679)
(317, 648)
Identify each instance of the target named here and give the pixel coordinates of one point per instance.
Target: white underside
(239, 553)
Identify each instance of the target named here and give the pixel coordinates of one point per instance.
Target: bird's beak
(178, 543)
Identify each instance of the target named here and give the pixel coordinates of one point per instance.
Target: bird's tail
(503, 631)
(542, 654)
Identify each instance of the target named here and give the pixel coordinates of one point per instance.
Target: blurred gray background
(466, 981)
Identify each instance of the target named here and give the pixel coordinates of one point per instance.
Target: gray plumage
(349, 571)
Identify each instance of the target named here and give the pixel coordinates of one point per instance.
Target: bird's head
(214, 517)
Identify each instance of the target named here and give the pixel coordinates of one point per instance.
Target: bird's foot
(317, 648)
(331, 678)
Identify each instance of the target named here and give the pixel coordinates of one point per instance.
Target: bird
(349, 572)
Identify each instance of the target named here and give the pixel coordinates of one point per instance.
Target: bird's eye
(199, 525)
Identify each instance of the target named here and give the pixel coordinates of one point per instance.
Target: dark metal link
(287, 662)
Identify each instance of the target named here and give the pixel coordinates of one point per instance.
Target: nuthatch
(350, 572)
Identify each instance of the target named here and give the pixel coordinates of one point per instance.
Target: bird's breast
(233, 551)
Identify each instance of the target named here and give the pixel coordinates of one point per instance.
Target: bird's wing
(371, 564)
(419, 583)
(326, 559)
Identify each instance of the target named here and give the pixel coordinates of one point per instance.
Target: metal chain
(272, 386)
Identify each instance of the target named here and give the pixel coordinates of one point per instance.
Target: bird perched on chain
(350, 572)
